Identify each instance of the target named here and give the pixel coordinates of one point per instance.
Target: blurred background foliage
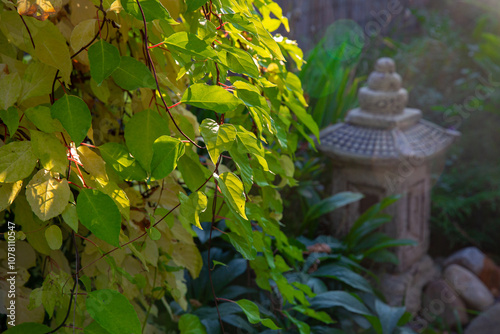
(450, 63)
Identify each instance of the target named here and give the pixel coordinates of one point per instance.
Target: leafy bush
(117, 123)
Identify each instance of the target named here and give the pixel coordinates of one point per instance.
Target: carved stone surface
(382, 149)
(487, 322)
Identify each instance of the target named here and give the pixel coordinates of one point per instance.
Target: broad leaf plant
(126, 124)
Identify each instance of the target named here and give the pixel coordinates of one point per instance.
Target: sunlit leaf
(99, 214)
(28, 327)
(166, 152)
(46, 195)
(152, 10)
(17, 161)
(218, 138)
(210, 97)
(117, 156)
(8, 193)
(233, 192)
(187, 43)
(42, 118)
(191, 207)
(50, 151)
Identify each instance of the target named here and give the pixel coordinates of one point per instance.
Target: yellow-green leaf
(53, 235)
(41, 117)
(50, 151)
(82, 34)
(166, 152)
(191, 207)
(233, 192)
(37, 80)
(210, 97)
(70, 217)
(10, 117)
(8, 193)
(218, 138)
(16, 161)
(92, 163)
(46, 195)
(10, 90)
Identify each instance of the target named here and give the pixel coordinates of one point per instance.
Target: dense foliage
(145, 143)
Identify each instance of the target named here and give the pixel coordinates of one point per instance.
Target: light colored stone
(471, 258)
(486, 323)
(441, 301)
(475, 294)
(406, 288)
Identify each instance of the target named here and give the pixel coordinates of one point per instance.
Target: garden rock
(475, 294)
(471, 258)
(487, 322)
(490, 276)
(406, 288)
(441, 301)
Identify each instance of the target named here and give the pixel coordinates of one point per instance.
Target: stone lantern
(382, 149)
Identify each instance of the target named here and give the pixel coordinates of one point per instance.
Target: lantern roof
(383, 129)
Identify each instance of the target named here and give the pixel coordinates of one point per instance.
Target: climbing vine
(127, 126)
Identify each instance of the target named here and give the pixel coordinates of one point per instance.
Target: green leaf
(240, 61)
(94, 328)
(253, 315)
(17, 161)
(152, 9)
(331, 203)
(28, 327)
(113, 312)
(191, 324)
(99, 213)
(117, 156)
(166, 152)
(11, 118)
(343, 299)
(8, 193)
(104, 59)
(193, 5)
(46, 195)
(344, 275)
(53, 235)
(10, 90)
(186, 43)
(74, 115)
(42, 118)
(218, 263)
(153, 233)
(233, 192)
(218, 138)
(70, 216)
(210, 97)
(37, 80)
(132, 74)
(321, 316)
(193, 173)
(140, 134)
(191, 207)
(50, 151)
(243, 246)
(302, 114)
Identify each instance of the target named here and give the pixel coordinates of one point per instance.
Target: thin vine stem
(212, 223)
(75, 284)
(156, 78)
